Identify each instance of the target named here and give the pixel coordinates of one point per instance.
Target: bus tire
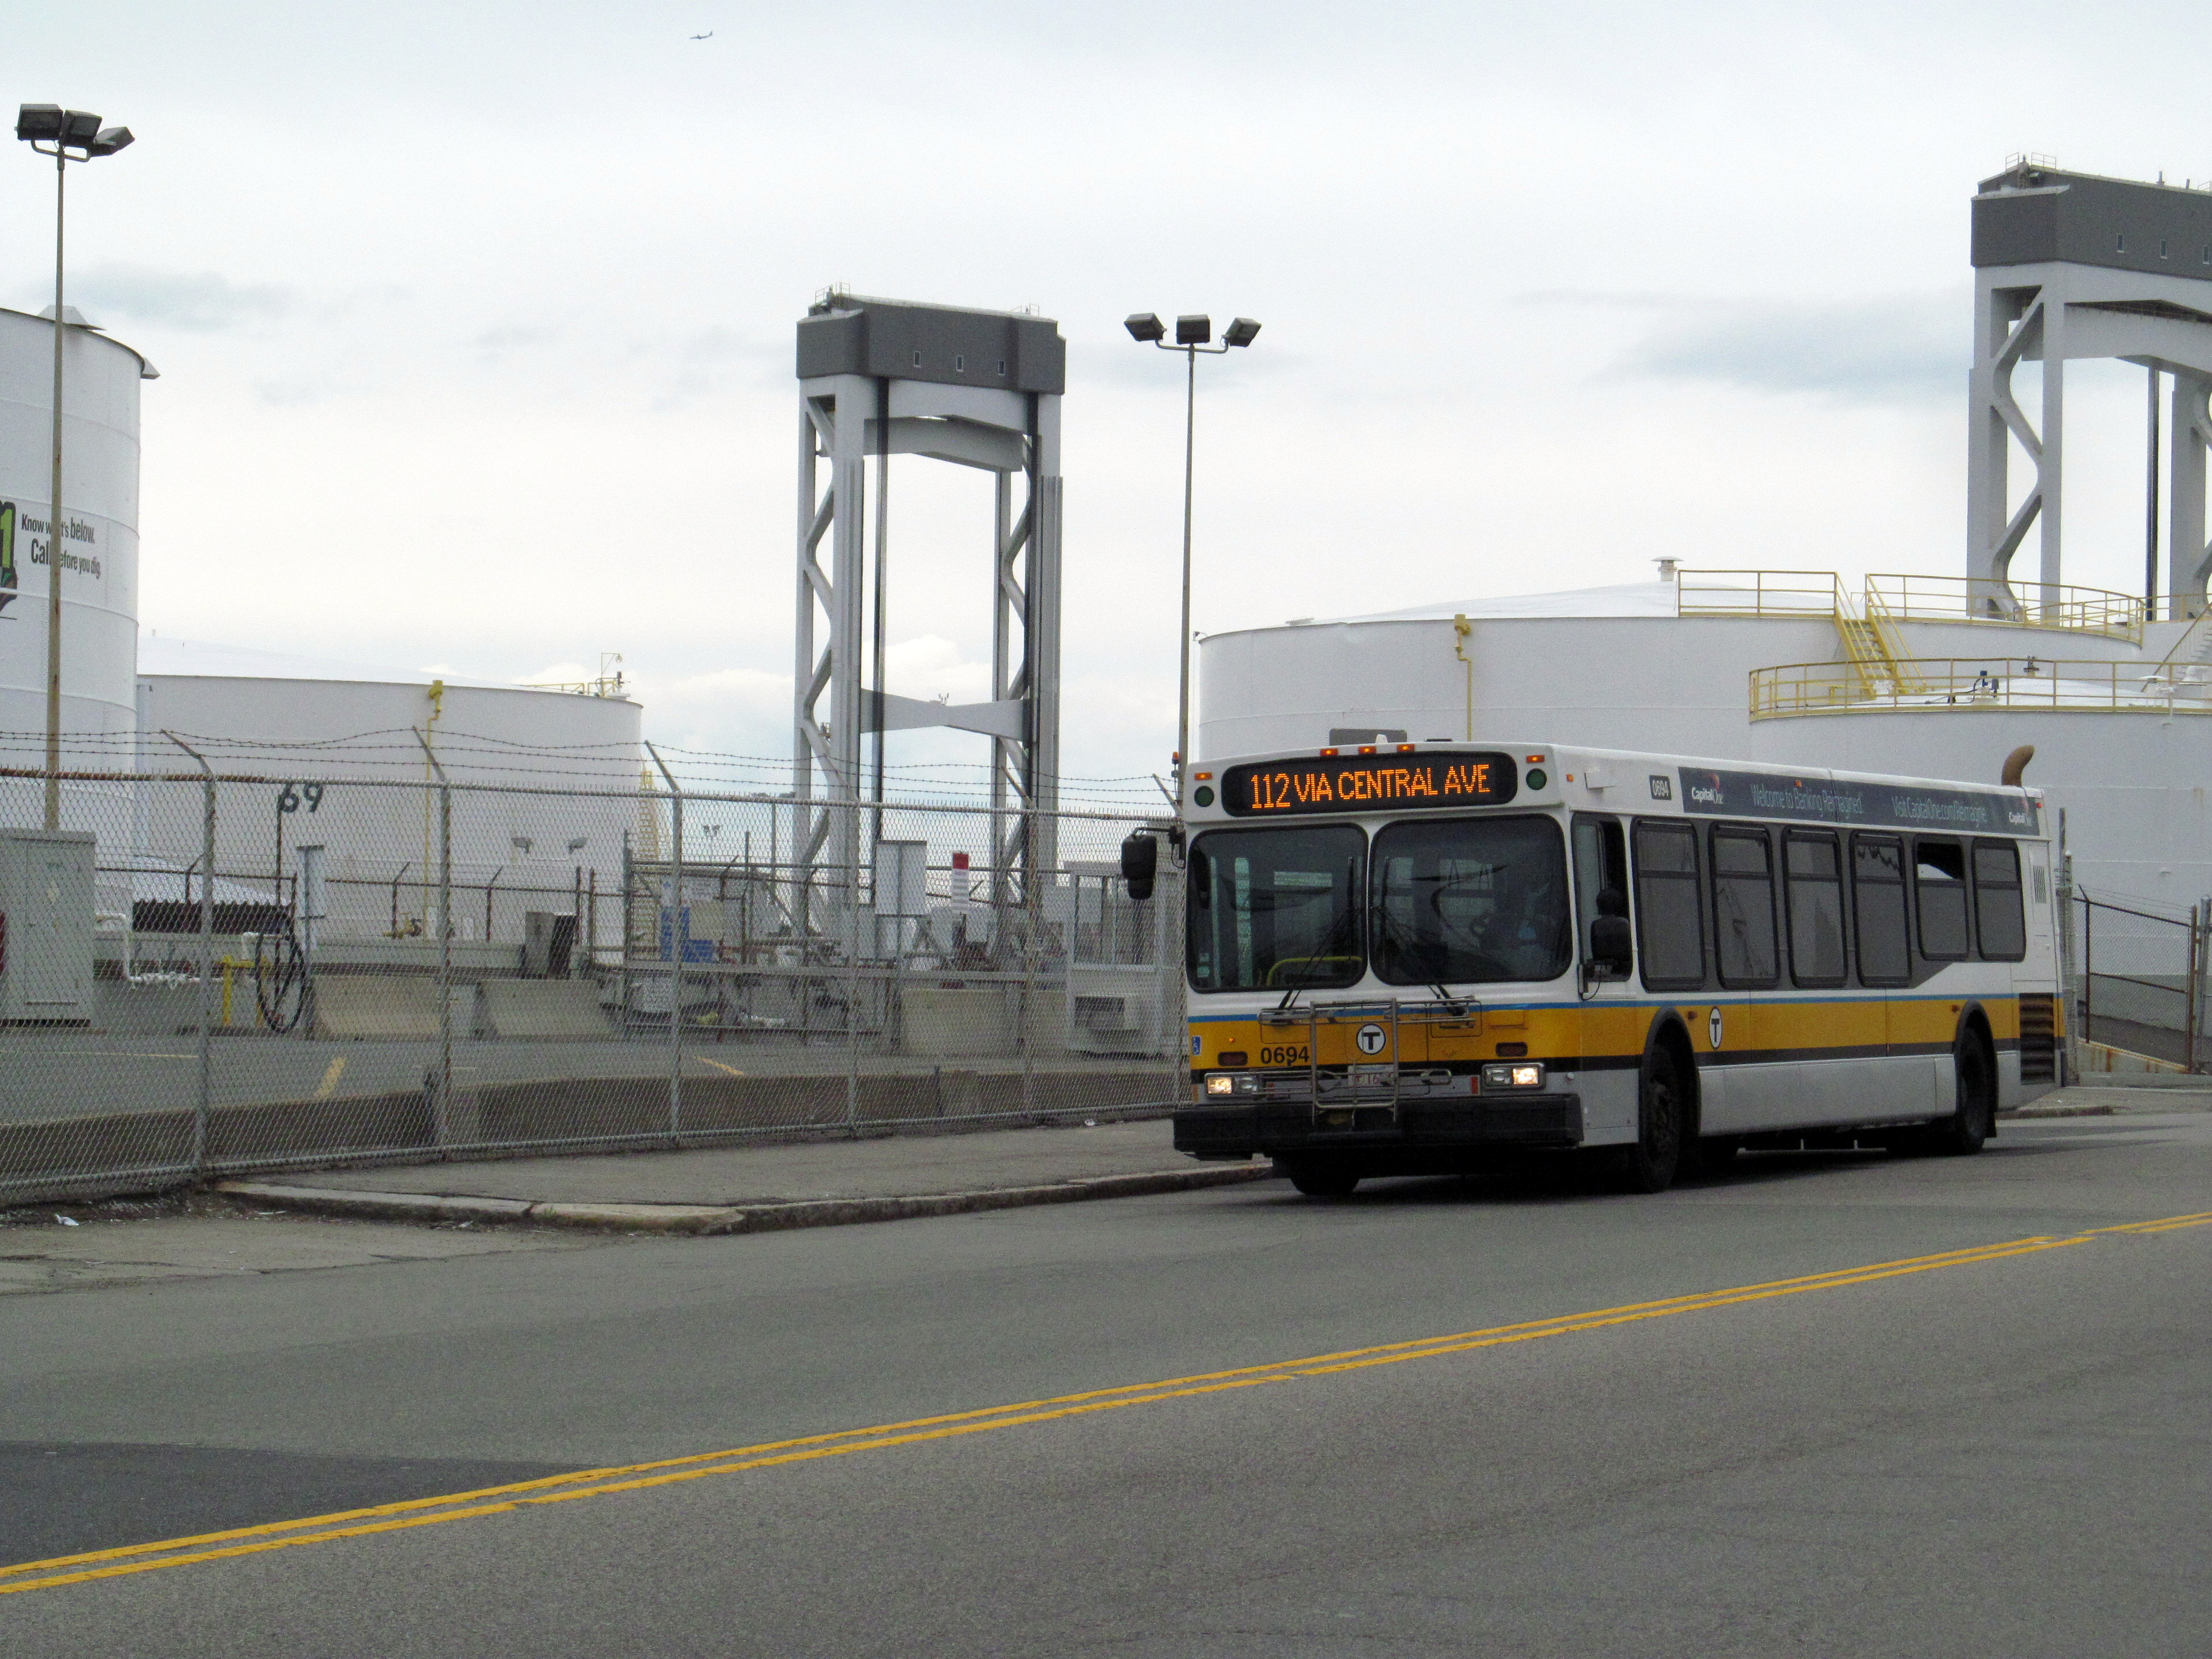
(1976, 1118)
(1650, 1163)
(1322, 1180)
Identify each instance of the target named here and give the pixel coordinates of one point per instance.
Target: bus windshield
(1276, 910)
(1467, 900)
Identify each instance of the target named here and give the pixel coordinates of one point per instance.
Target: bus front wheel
(1649, 1165)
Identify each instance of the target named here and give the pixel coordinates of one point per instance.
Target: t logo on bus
(1713, 1027)
(1370, 1039)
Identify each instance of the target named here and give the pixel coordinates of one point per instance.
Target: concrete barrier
(120, 1153)
(378, 1007)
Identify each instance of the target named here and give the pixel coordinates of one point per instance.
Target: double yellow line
(638, 1477)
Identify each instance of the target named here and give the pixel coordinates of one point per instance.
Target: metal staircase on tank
(2187, 669)
(1872, 648)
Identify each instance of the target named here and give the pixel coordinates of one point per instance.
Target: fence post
(678, 932)
(852, 919)
(2195, 970)
(441, 1105)
(1032, 878)
(207, 955)
(2088, 969)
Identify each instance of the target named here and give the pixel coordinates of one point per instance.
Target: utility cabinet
(46, 926)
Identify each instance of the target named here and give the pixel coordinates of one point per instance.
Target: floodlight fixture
(108, 140)
(1242, 332)
(1195, 330)
(1144, 328)
(578, 843)
(80, 127)
(34, 122)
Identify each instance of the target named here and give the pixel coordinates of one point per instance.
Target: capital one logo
(8, 579)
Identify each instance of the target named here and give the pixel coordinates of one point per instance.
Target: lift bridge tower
(879, 378)
(2069, 265)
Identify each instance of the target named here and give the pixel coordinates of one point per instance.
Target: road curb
(2031, 1112)
(700, 1220)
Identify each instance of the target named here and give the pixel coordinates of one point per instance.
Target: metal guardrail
(1948, 684)
(1797, 594)
(1958, 599)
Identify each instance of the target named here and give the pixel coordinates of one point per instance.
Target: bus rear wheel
(1650, 1165)
(1322, 1180)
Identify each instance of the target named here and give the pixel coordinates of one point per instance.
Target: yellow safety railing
(1951, 684)
(1958, 599)
(1889, 599)
(1795, 593)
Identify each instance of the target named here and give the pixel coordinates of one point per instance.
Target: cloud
(205, 301)
(1893, 348)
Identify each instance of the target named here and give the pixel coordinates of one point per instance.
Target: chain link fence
(210, 972)
(2141, 986)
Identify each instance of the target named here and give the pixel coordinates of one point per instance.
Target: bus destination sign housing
(1365, 783)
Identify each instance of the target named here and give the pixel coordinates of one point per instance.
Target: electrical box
(549, 943)
(45, 925)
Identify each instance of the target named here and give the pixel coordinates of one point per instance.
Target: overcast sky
(474, 319)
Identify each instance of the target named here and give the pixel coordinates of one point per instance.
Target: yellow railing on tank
(1890, 597)
(1959, 598)
(1949, 684)
(1796, 593)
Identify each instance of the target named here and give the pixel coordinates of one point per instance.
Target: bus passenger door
(1897, 1082)
(1609, 1027)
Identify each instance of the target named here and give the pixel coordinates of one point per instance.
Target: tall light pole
(67, 135)
(1192, 334)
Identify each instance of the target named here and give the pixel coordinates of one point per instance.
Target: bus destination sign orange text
(1368, 783)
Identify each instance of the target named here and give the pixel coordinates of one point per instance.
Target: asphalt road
(2000, 1446)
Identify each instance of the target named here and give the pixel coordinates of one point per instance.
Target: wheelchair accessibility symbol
(1370, 1039)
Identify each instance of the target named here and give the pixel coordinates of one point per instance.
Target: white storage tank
(1655, 667)
(100, 539)
(325, 733)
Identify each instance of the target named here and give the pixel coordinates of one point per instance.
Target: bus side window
(1939, 886)
(1878, 910)
(1814, 865)
(1743, 909)
(1670, 919)
(1600, 867)
(1997, 900)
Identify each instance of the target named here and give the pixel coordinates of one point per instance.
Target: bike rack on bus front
(1399, 1014)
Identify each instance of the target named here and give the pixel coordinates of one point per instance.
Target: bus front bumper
(1288, 1129)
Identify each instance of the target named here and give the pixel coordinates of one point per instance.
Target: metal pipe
(54, 522)
(1182, 639)
(2150, 506)
(678, 929)
(441, 1104)
(200, 1103)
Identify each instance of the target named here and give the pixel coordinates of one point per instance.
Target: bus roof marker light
(1326, 753)
(1536, 760)
(1203, 777)
(1366, 748)
(1407, 748)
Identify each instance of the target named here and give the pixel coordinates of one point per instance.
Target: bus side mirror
(1140, 863)
(1611, 946)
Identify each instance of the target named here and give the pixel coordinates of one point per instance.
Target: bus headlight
(1513, 1075)
(1232, 1082)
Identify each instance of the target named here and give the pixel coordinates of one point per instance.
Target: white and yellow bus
(1406, 959)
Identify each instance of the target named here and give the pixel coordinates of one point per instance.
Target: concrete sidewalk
(765, 1188)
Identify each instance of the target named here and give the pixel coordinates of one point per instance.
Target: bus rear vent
(2039, 1038)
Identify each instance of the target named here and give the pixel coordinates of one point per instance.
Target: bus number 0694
(1292, 1056)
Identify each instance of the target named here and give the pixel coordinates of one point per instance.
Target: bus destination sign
(1870, 806)
(1368, 783)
